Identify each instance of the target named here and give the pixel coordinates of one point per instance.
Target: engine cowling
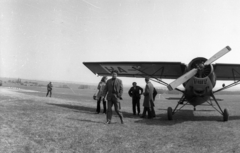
(203, 70)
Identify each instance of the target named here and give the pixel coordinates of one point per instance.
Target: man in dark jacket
(49, 89)
(135, 92)
(114, 91)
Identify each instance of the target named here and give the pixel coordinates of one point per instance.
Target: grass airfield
(67, 123)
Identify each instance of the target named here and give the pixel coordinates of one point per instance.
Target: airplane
(198, 78)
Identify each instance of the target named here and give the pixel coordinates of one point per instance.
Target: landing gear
(170, 114)
(194, 109)
(225, 115)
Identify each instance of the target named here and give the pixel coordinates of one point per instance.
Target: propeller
(182, 79)
(218, 55)
(194, 71)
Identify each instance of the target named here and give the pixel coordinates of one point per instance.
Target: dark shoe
(122, 122)
(97, 112)
(142, 116)
(108, 122)
(104, 112)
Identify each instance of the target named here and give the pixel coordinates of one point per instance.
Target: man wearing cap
(114, 91)
(135, 92)
(148, 99)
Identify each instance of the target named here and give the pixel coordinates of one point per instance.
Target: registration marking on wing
(121, 69)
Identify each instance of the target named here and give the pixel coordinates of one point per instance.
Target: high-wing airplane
(198, 77)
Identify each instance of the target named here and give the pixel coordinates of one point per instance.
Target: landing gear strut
(224, 113)
(171, 112)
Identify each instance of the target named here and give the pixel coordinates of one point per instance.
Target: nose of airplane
(199, 91)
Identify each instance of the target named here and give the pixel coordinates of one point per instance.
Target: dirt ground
(67, 123)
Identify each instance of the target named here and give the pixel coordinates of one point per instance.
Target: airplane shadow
(177, 98)
(192, 110)
(160, 119)
(184, 116)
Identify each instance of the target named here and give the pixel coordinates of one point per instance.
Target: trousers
(117, 105)
(136, 103)
(49, 91)
(99, 106)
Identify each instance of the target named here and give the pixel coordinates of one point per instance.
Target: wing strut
(233, 73)
(236, 82)
(156, 79)
(228, 86)
(159, 81)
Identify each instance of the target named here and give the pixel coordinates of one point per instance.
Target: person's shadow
(76, 107)
(91, 110)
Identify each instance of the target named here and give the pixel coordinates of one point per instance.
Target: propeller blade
(182, 79)
(218, 55)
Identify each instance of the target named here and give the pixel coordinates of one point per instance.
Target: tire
(225, 115)
(170, 115)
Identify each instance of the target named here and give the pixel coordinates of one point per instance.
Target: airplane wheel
(225, 115)
(169, 111)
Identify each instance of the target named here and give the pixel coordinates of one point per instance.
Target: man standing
(154, 96)
(148, 99)
(49, 89)
(114, 90)
(99, 96)
(134, 92)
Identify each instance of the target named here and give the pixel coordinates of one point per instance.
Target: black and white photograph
(119, 76)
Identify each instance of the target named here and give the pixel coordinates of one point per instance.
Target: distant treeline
(84, 87)
(25, 82)
(44, 84)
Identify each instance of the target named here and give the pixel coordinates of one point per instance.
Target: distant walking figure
(100, 95)
(49, 89)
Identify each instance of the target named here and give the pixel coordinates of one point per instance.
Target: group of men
(149, 96)
(113, 91)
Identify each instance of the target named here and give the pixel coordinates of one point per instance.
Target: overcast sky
(49, 39)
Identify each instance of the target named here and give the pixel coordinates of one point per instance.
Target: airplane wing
(166, 70)
(227, 71)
